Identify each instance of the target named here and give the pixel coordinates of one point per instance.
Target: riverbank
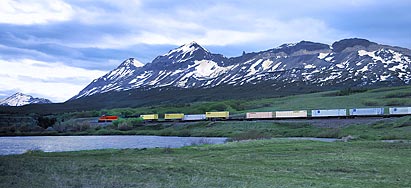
(365, 129)
(261, 163)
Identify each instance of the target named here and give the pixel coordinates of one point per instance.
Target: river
(19, 145)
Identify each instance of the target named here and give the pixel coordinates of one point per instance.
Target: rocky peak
(186, 53)
(132, 63)
(303, 45)
(341, 45)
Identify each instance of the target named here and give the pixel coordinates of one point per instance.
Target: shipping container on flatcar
(173, 116)
(366, 111)
(291, 114)
(149, 116)
(107, 118)
(400, 110)
(259, 115)
(329, 113)
(194, 117)
(212, 115)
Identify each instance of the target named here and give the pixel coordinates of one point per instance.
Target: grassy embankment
(262, 163)
(394, 96)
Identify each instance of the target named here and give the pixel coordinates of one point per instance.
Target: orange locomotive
(107, 118)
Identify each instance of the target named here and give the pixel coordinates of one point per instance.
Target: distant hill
(20, 99)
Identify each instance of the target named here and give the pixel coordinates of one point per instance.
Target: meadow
(258, 163)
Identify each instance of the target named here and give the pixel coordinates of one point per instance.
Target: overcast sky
(54, 48)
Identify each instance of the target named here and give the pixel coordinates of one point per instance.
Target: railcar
(366, 112)
(173, 116)
(150, 117)
(217, 115)
(291, 114)
(329, 113)
(194, 117)
(259, 115)
(399, 110)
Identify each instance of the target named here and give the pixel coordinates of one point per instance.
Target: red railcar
(107, 118)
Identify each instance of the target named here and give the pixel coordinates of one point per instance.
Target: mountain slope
(346, 63)
(20, 99)
(114, 79)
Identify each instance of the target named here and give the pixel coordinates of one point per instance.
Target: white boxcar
(400, 110)
(259, 115)
(194, 117)
(366, 111)
(329, 113)
(291, 114)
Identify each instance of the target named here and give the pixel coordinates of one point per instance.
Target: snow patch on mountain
(252, 70)
(205, 69)
(267, 64)
(309, 66)
(322, 55)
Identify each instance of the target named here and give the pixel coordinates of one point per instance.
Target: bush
(128, 124)
(81, 126)
(72, 125)
(46, 122)
(345, 92)
(124, 126)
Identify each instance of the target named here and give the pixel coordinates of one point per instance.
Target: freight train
(317, 113)
(294, 114)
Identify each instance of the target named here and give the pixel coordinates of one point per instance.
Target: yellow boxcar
(173, 116)
(224, 114)
(149, 116)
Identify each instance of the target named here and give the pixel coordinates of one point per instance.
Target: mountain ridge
(349, 62)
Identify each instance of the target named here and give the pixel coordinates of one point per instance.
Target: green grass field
(383, 97)
(261, 163)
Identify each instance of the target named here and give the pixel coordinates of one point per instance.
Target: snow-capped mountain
(114, 79)
(346, 63)
(20, 99)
